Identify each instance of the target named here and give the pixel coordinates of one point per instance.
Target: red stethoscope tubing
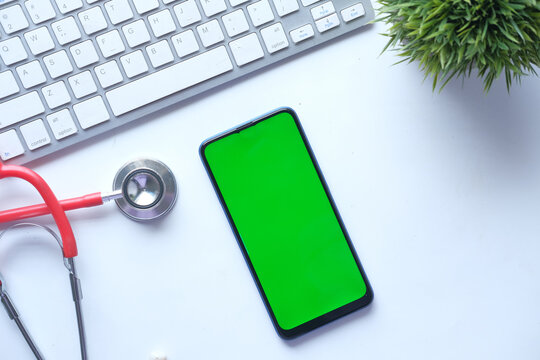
(52, 203)
(85, 201)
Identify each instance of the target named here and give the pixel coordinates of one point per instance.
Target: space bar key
(168, 81)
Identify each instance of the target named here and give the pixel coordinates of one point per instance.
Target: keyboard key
(246, 49)
(144, 6)
(40, 10)
(260, 12)
(235, 23)
(62, 124)
(39, 40)
(8, 84)
(187, 13)
(210, 33)
(134, 63)
(20, 108)
(66, 30)
(136, 33)
(327, 23)
(13, 19)
(82, 84)
(92, 20)
(162, 23)
(274, 38)
(12, 51)
(108, 74)
(91, 112)
(322, 10)
(84, 54)
(66, 6)
(185, 43)
(302, 33)
(31, 74)
(56, 94)
(213, 7)
(160, 53)
(353, 12)
(286, 7)
(118, 11)
(168, 81)
(58, 64)
(10, 145)
(35, 134)
(110, 43)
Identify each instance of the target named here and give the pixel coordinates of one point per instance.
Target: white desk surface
(440, 194)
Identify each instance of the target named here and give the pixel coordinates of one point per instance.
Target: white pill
(156, 355)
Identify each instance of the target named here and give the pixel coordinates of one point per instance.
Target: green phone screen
(285, 219)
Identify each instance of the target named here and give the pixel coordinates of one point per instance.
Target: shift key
(20, 108)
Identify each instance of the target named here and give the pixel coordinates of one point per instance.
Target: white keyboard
(73, 69)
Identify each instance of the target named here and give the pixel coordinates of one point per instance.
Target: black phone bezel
(325, 318)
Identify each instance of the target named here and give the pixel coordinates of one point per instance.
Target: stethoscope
(143, 189)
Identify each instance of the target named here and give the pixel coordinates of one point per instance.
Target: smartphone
(286, 223)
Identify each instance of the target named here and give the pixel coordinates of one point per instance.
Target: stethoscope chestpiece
(148, 187)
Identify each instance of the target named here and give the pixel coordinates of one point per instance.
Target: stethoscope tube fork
(76, 292)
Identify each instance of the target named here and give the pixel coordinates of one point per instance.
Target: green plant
(450, 38)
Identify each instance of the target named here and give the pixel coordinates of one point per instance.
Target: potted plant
(452, 38)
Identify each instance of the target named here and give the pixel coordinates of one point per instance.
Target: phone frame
(325, 318)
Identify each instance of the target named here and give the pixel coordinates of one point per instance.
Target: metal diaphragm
(148, 187)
